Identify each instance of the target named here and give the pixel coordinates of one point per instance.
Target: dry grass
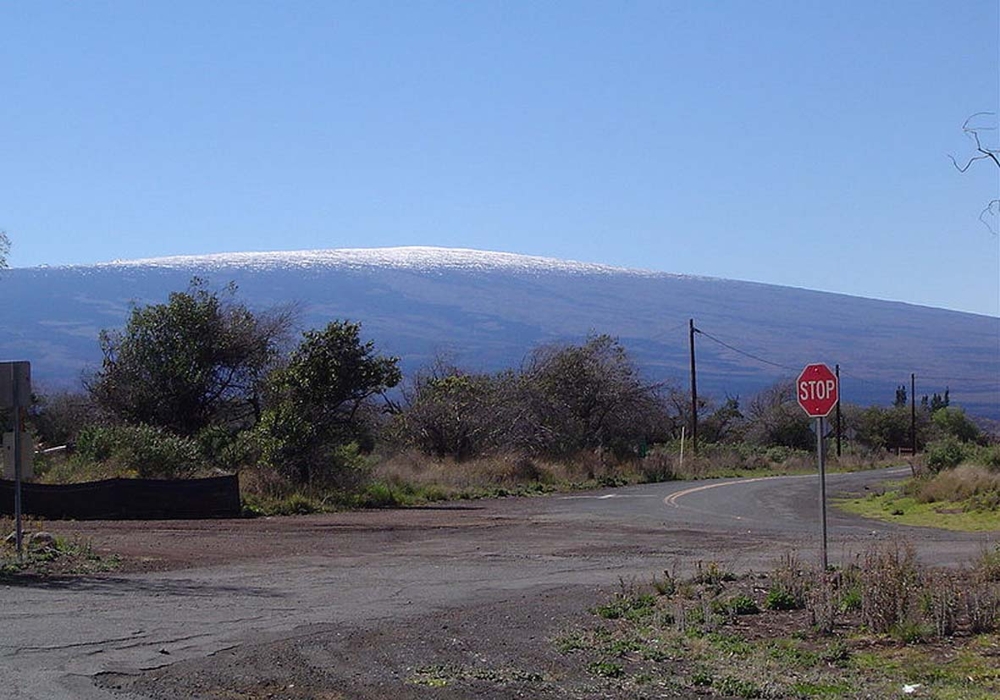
(486, 474)
(958, 484)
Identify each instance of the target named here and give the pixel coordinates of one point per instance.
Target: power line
(743, 352)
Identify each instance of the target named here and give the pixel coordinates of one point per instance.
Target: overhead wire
(743, 352)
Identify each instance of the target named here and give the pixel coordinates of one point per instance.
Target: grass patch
(45, 555)
(889, 622)
(896, 505)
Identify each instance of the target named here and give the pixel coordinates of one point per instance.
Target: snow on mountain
(406, 257)
(486, 310)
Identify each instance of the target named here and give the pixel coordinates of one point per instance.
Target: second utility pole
(694, 391)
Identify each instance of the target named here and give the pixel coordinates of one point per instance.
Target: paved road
(357, 568)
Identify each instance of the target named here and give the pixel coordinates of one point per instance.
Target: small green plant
(702, 678)
(789, 585)
(713, 574)
(743, 605)
(910, 631)
(606, 669)
(850, 599)
(780, 598)
(838, 654)
(630, 606)
(665, 586)
(738, 687)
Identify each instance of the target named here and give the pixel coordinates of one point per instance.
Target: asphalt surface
(268, 580)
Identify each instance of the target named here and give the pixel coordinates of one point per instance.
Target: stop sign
(817, 391)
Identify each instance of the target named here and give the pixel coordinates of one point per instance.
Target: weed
(890, 581)
(789, 585)
(910, 631)
(606, 669)
(738, 687)
(981, 606)
(850, 598)
(730, 645)
(713, 574)
(987, 565)
(569, 643)
(743, 605)
(702, 677)
(628, 605)
(779, 598)
(837, 654)
(665, 586)
(623, 647)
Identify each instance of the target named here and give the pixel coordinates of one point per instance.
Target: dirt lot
(452, 602)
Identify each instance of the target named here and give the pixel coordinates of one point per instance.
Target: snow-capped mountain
(485, 311)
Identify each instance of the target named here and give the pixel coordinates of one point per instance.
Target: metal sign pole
(822, 485)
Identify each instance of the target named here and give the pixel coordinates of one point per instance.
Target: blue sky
(797, 143)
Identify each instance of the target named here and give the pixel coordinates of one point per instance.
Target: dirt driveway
(451, 602)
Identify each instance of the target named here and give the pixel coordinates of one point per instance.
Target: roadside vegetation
(320, 420)
(882, 625)
(46, 555)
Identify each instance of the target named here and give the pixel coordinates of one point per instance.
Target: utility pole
(839, 395)
(913, 414)
(694, 390)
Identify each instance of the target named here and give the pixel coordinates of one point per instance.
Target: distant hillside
(487, 310)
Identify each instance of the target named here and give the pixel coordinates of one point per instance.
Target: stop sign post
(818, 390)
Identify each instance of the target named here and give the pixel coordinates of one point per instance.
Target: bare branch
(991, 210)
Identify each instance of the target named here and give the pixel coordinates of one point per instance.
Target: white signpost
(15, 394)
(817, 390)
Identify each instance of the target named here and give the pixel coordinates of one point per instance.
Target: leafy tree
(197, 360)
(4, 249)
(451, 413)
(887, 428)
(954, 422)
(591, 396)
(316, 402)
(567, 398)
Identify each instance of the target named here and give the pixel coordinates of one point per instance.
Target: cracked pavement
(230, 583)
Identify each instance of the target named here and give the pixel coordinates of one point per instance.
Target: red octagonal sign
(817, 391)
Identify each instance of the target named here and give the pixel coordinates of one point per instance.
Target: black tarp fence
(127, 499)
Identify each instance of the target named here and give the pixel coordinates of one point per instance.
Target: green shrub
(140, 450)
(295, 504)
(629, 606)
(743, 605)
(946, 453)
(781, 598)
(378, 495)
(850, 599)
(988, 457)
